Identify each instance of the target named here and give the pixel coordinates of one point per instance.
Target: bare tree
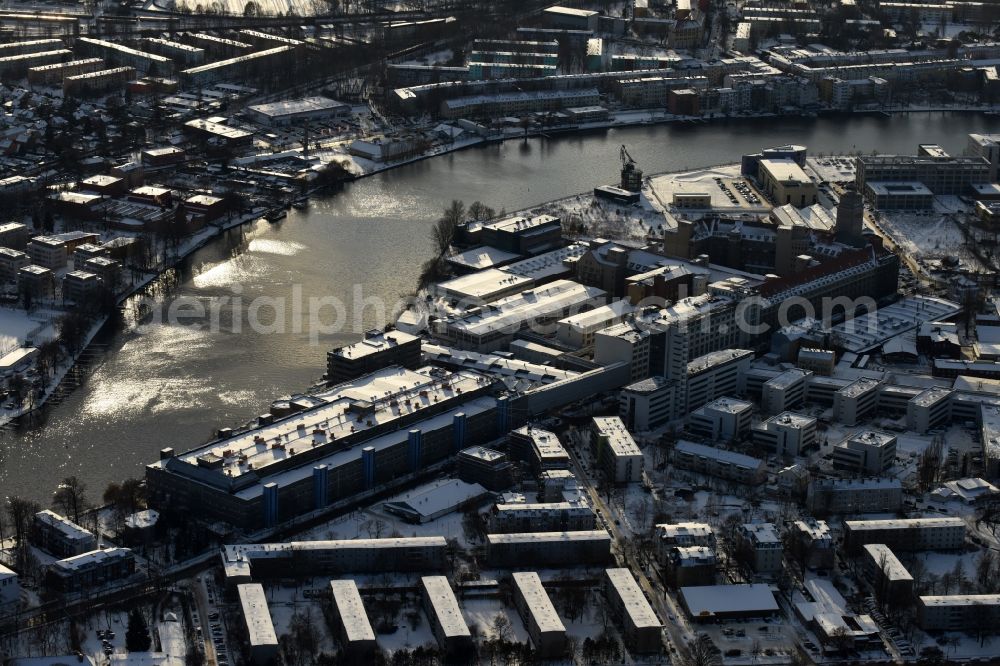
(70, 498)
(480, 211)
(842, 639)
(21, 513)
(500, 625)
(702, 652)
(986, 572)
(444, 230)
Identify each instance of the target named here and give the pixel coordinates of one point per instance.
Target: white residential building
(838, 496)
(617, 451)
(546, 630)
(257, 623)
(763, 546)
(10, 589)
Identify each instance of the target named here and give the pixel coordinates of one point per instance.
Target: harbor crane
(631, 174)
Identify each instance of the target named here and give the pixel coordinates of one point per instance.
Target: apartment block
(96, 568)
(514, 517)
(257, 625)
(958, 612)
(356, 634)
(761, 543)
(617, 452)
(48, 252)
(60, 536)
(445, 616)
(487, 467)
(840, 496)
(719, 463)
(539, 448)
(10, 589)
(548, 549)
(670, 535)
(816, 542)
(546, 630)
(241, 563)
(14, 235)
(641, 629)
(11, 261)
(687, 566)
(906, 534)
(888, 574)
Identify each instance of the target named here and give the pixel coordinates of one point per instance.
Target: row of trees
(70, 499)
(443, 235)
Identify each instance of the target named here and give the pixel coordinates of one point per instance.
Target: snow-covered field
(928, 235)
(261, 7)
(16, 326)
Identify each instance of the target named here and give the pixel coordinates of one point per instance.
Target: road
(663, 606)
(215, 640)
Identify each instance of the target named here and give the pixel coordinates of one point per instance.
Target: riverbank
(366, 168)
(59, 373)
(175, 386)
(637, 118)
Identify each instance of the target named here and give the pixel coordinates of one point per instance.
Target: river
(160, 384)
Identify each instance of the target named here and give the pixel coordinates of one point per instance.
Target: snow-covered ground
(262, 7)
(605, 219)
(18, 326)
(930, 235)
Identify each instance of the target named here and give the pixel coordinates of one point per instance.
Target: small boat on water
(300, 204)
(275, 215)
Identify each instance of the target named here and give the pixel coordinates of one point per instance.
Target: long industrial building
(360, 436)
